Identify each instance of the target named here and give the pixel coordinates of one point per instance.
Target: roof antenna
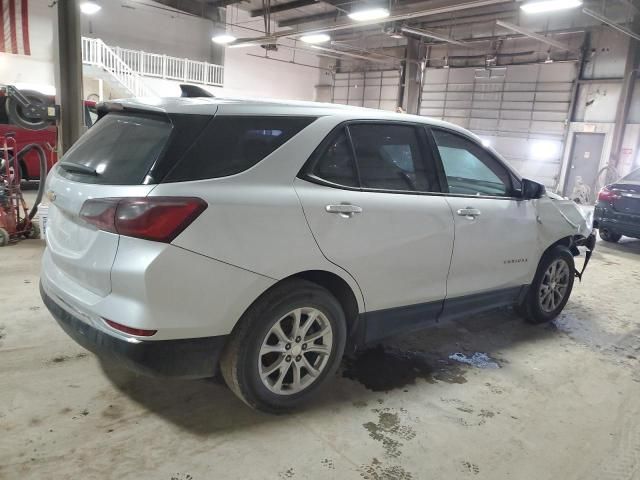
(193, 91)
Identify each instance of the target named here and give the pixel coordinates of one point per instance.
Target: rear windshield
(633, 176)
(118, 150)
(232, 144)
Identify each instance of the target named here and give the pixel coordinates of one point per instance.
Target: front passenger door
(495, 247)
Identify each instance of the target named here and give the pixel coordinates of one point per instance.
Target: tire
(4, 237)
(537, 306)
(16, 115)
(609, 236)
(247, 354)
(34, 231)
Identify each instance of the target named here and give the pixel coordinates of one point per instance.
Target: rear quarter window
(233, 144)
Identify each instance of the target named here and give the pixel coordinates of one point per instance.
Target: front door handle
(345, 210)
(470, 213)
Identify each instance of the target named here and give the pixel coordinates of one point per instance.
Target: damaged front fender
(559, 219)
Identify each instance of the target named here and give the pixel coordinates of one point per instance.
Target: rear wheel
(608, 235)
(551, 287)
(287, 344)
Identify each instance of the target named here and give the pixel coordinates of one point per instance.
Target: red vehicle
(46, 137)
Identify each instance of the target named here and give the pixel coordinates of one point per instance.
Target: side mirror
(531, 189)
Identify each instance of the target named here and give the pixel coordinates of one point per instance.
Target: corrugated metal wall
(371, 89)
(521, 110)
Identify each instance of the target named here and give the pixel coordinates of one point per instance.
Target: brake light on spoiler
(160, 219)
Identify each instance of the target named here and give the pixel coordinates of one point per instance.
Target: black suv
(617, 212)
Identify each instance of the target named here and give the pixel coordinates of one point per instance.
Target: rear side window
(231, 145)
(336, 164)
(119, 150)
(389, 157)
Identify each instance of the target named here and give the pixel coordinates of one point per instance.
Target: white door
(495, 248)
(371, 218)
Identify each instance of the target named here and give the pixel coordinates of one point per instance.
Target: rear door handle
(345, 210)
(469, 212)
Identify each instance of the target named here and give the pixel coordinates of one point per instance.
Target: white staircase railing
(95, 52)
(172, 68)
(128, 66)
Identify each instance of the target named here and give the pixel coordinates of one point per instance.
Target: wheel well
(338, 288)
(569, 242)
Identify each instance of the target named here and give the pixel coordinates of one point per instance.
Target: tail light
(160, 219)
(607, 195)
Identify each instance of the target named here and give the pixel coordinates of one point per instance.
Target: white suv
(263, 239)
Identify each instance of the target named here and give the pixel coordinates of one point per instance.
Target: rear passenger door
(366, 196)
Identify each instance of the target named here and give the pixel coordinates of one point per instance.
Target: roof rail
(193, 91)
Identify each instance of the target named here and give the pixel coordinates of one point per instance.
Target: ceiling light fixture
(90, 8)
(367, 14)
(244, 45)
(223, 39)
(315, 38)
(550, 5)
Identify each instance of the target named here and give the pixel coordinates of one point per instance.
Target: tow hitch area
(589, 243)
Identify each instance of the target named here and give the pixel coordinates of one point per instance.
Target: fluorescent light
(316, 38)
(90, 8)
(244, 45)
(550, 5)
(364, 15)
(223, 39)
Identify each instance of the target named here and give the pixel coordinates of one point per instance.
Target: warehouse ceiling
(471, 30)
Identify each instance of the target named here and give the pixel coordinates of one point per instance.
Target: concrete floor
(564, 402)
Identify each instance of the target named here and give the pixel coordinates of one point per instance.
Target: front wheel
(287, 344)
(551, 287)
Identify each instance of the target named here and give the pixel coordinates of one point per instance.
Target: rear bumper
(185, 358)
(624, 224)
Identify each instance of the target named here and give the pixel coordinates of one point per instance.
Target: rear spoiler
(186, 91)
(114, 106)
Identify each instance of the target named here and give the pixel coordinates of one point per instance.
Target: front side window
(389, 157)
(336, 164)
(470, 170)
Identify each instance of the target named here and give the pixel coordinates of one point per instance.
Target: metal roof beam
(534, 35)
(283, 7)
(309, 18)
(611, 23)
(396, 15)
(354, 55)
(435, 35)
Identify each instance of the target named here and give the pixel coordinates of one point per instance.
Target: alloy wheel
(554, 285)
(295, 351)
